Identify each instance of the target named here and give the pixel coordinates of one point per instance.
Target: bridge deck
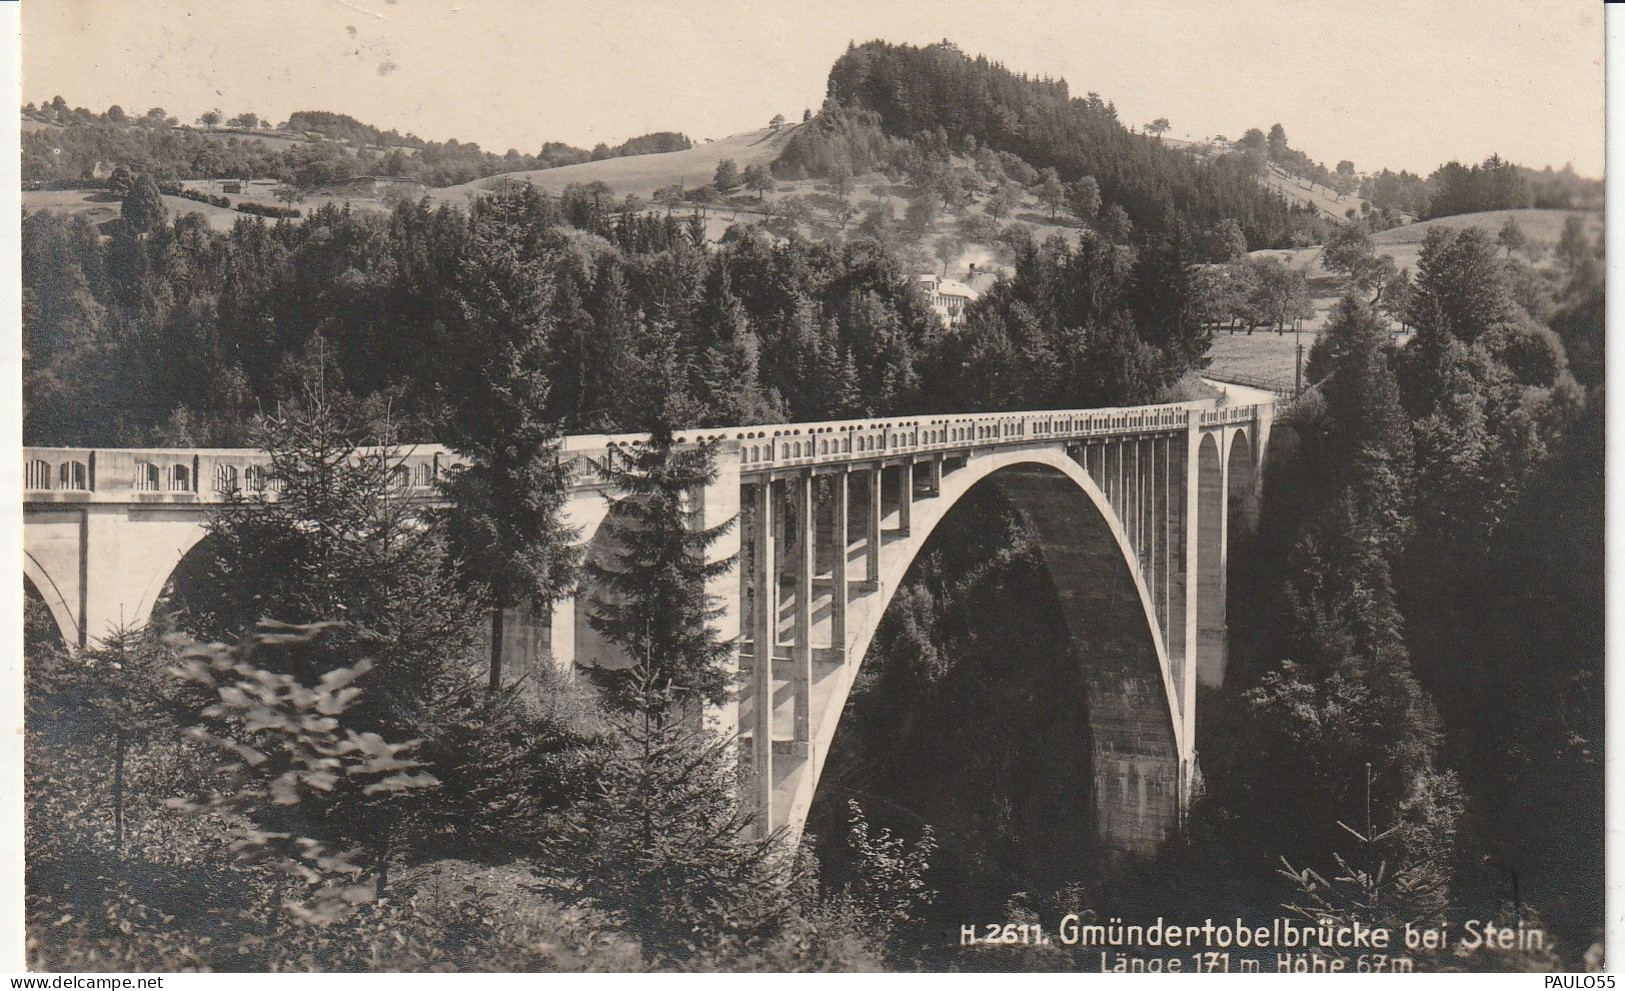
(186, 475)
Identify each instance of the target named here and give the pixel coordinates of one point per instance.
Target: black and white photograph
(515, 486)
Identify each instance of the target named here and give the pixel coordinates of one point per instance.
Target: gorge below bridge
(1131, 509)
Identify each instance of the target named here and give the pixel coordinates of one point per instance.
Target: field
(100, 206)
(641, 175)
(1265, 357)
(1312, 193)
(274, 140)
(1404, 244)
(1262, 358)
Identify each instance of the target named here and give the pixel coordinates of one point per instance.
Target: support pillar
(877, 477)
(1165, 516)
(1117, 481)
(905, 495)
(1191, 500)
(1147, 447)
(764, 635)
(561, 635)
(806, 550)
(838, 589)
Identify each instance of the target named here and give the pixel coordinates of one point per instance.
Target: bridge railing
(190, 474)
(212, 474)
(801, 444)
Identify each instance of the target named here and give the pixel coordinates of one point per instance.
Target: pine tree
(665, 842)
(1460, 285)
(652, 599)
(506, 525)
(1362, 392)
(1167, 299)
(118, 693)
(727, 176)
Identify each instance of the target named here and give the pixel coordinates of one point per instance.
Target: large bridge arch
(1138, 738)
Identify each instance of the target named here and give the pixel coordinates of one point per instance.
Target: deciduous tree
(726, 179)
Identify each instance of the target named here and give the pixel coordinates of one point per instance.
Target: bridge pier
(765, 612)
(876, 478)
(806, 543)
(838, 576)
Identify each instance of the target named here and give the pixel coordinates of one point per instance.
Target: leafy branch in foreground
(311, 794)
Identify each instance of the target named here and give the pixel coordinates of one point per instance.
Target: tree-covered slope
(939, 91)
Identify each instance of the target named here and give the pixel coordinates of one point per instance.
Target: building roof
(948, 287)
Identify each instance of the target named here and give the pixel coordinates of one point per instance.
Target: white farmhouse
(948, 298)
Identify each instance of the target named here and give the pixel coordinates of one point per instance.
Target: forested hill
(938, 92)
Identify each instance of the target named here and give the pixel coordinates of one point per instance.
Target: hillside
(1308, 192)
(65, 149)
(1404, 243)
(937, 97)
(641, 175)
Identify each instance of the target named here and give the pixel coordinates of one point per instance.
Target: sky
(1385, 83)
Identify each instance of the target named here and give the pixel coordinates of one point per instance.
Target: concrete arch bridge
(1131, 507)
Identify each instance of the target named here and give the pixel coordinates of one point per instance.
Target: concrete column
(936, 476)
(1148, 517)
(905, 495)
(877, 477)
(1139, 502)
(838, 590)
(1190, 543)
(1118, 481)
(1108, 472)
(105, 536)
(715, 505)
(1136, 482)
(561, 635)
(806, 550)
(766, 632)
(1143, 504)
(1165, 514)
(1178, 497)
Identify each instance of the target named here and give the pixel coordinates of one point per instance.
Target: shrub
(268, 210)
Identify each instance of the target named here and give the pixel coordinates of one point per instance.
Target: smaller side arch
(1241, 485)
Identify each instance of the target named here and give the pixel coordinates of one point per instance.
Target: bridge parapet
(65, 474)
(799, 445)
(185, 475)
(1224, 416)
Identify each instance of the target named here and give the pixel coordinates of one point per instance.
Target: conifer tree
(1167, 298)
(651, 599)
(727, 176)
(665, 843)
(506, 525)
